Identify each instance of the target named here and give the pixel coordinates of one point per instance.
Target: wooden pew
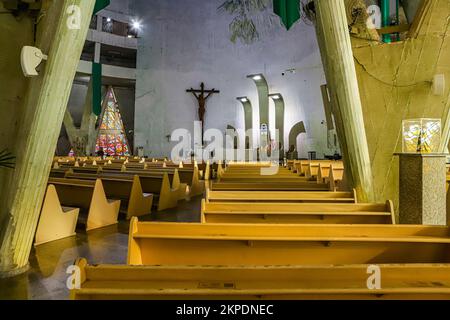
(59, 173)
(297, 213)
(269, 186)
(262, 178)
(90, 196)
(178, 189)
(281, 196)
(190, 177)
(399, 281)
(87, 169)
(55, 222)
(164, 243)
(128, 189)
(336, 175)
(187, 176)
(156, 184)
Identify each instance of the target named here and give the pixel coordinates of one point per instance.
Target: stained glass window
(111, 137)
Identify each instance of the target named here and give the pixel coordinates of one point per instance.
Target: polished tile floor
(46, 278)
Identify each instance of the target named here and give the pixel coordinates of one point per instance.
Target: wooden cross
(201, 98)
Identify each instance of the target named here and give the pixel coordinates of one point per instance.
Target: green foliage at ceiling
(243, 27)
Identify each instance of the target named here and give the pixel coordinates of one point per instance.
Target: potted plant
(7, 160)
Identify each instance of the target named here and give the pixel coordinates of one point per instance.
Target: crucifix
(201, 98)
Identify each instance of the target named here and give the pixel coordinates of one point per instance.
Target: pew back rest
(74, 192)
(278, 196)
(242, 244)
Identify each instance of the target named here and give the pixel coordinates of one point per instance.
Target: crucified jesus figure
(201, 98)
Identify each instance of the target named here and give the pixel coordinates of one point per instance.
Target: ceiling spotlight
(108, 19)
(136, 25)
(257, 77)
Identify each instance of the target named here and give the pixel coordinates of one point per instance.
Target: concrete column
(61, 34)
(422, 197)
(279, 117)
(263, 101)
(337, 56)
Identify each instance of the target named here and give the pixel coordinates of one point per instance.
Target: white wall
(186, 42)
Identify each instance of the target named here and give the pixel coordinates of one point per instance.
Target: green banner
(100, 5)
(96, 88)
(288, 10)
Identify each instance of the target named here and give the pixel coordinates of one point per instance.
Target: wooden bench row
(263, 244)
(399, 281)
(166, 187)
(62, 204)
(264, 261)
(189, 176)
(293, 207)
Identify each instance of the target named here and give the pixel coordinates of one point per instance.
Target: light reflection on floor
(46, 278)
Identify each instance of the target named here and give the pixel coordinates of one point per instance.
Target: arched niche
(232, 129)
(296, 130)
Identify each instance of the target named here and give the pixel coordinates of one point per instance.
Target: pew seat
(294, 213)
(399, 281)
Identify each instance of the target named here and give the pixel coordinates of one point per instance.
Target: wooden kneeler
(56, 222)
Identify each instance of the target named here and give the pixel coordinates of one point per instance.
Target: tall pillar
(279, 117)
(263, 100)
(61, 34)
(337, 56)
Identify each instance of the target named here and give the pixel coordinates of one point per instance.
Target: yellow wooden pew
(297, 213)
(177, 186)
(269, 186)
(399, 281)
(282, 196)
(163, 243)
(89, 196)
(128, 189)
(55, 221)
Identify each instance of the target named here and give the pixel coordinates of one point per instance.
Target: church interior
(224, 149)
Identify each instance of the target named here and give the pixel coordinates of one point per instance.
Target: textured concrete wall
(395, 84)
(14, 34)
(186, 42)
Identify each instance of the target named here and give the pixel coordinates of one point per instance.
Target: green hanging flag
(288, 10)
(100, 5)
(96, 88)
